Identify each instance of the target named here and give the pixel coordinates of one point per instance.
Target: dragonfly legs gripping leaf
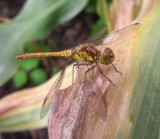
(77, 65)
(89, 69)
(105, 75)
(116, 69)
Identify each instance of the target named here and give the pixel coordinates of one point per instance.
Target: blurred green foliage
(20, 78)
(26, 26)
(38, 76)
(31, 66)
(102, 8)
(97, 26)
(34, 22)
(91, 7)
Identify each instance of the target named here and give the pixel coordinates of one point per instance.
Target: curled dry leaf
(97, 109)
(21, 110)
(91, 108)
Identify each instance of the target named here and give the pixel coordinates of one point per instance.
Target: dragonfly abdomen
(65, 53)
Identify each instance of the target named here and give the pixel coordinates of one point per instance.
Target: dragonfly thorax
(86, 52)
(107, 57)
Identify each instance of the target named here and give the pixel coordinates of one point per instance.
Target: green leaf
(97, 26)
(103, 12)
(145, 100)
(91, 6)
(28, 48)
(38, 76)
(34, 22)
(44, 48)
(29, 64)
(20, 78)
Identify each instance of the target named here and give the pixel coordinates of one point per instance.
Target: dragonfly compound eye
(107, 56)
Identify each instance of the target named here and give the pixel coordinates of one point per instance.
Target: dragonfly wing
(53, 91)
(122, 34)
(98, 36)
(115, 37)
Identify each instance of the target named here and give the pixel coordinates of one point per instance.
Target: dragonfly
(88, 54)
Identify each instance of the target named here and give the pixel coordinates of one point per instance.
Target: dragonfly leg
(116, 69)
(102, 97)
(78, 65)
(73, 72)
(105, 75)
(89, 69)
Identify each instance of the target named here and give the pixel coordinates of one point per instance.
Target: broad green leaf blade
(34, 22)
(139, 93)
(145, 101)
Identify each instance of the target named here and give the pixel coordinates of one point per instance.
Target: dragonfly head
(107, 56)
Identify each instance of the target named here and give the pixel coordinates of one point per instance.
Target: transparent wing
(122, 34)
(53, 91)
(98, 36)
(115, 37)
